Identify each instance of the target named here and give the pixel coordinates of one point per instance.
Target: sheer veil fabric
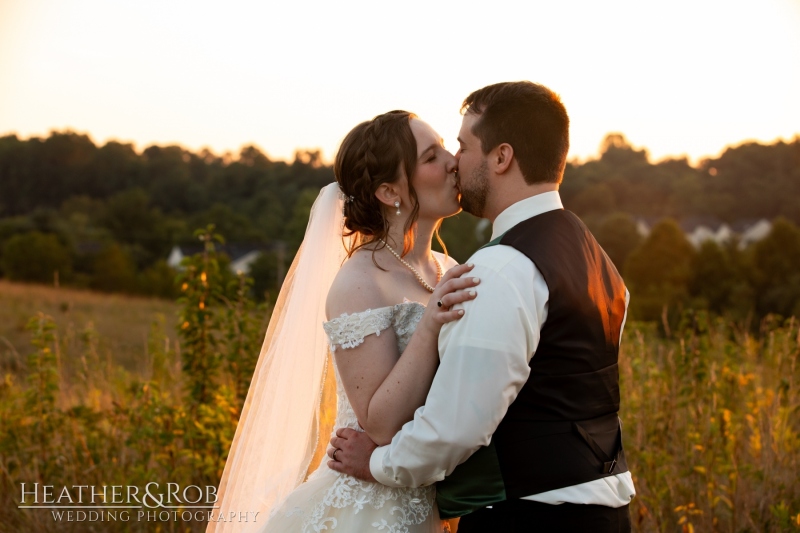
(278, 429)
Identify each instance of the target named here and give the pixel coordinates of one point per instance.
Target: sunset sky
(678, 77)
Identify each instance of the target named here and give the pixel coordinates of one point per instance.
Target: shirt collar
(525, 209)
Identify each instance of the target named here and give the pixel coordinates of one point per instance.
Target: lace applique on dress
(395, 510)
(402, 507)
(349, 331)
(405, 318)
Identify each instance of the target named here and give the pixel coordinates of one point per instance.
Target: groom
(520, 427)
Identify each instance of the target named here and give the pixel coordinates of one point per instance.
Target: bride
(368, 248)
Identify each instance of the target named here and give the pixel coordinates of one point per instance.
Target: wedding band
(334, 453)
(439, 303)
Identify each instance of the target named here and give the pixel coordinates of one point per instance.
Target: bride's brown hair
(378, 151)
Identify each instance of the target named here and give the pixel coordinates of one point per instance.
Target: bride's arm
(383, 389)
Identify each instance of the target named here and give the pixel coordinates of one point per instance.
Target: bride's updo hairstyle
(381, 150)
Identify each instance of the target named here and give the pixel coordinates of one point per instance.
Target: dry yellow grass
(122, 322)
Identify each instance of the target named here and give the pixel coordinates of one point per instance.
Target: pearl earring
(397, 205)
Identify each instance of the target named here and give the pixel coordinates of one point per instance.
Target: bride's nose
(452, 163)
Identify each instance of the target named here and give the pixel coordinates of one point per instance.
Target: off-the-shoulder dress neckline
(405, 301)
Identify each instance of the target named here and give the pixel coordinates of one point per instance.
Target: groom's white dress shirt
(484, 359)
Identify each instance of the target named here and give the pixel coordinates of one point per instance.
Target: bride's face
(434, 177)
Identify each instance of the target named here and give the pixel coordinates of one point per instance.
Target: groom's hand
(350, 452)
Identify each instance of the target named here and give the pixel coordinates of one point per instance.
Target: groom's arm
(470, 393)
(484, 364)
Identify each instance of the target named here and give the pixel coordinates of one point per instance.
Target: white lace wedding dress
(330, 501)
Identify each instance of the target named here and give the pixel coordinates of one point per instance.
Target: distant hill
(114, 219)
(747, 182)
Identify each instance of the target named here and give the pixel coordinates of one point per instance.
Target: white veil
(278, 431)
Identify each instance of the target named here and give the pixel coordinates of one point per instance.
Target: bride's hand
(453, 288)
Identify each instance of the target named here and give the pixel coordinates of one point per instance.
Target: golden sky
(678, 77)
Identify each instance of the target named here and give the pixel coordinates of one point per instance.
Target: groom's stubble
(475, 190)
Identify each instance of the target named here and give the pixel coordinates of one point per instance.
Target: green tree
(615, 149)
(659, 271)
(267, 213)
(158, 280)
(597, 199)
(714, 276)
(296, 227)
(463, 234)
(41, 397)
(234, 225)
(115, 167)
(264, 271)
(35, 256)
(776, 265)
(202, 287)
(131, 220)
(243, 336)
(619, 237)
(113, 271)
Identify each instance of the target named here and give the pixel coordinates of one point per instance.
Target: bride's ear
(388, 194)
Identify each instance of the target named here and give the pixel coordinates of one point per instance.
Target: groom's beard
(473, 195)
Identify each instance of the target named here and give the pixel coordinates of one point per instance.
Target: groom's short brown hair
(528, 116)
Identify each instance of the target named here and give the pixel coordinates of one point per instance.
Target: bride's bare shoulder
(447, 262)
(356, 287)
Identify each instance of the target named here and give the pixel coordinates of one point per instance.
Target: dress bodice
(350, 330)
(333, 501)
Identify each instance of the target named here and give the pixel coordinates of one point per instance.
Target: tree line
(106, 217)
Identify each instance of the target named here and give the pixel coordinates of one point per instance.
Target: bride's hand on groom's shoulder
(455, 287)
(350, 451)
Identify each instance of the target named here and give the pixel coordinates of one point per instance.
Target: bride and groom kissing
(487, 391)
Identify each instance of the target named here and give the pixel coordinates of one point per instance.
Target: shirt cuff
(376, 467)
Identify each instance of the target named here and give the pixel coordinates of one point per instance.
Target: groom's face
(473, 169)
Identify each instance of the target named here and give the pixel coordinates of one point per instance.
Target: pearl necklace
(414, 270)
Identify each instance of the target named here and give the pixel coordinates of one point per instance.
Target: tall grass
(121, 323)
(711, 426)
(710, 412)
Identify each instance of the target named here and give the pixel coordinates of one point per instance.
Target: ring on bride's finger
(334, 454)
(439, 303)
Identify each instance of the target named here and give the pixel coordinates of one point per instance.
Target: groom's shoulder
(499, 258)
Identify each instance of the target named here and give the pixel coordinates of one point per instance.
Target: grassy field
(100, 394)
(121, 323)
(711, 424)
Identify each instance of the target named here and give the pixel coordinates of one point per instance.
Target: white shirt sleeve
(484, 360)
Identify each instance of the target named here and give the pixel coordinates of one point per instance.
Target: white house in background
(480, 228)
(642, 228)
(175, 257)
(701, 234)
(701, 229)
(721, 234)
(724, 234)
(755, 233)
(242, 256)
(243, 263)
